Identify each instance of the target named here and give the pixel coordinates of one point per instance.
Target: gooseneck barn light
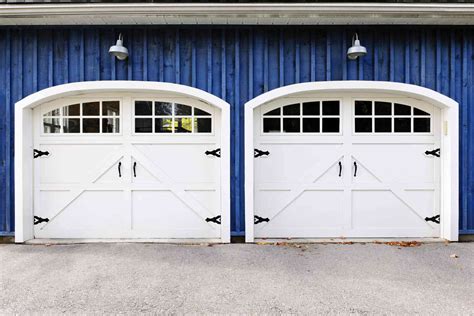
(118, 50)
(356, 50)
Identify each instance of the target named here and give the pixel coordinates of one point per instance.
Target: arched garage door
(346, 164)
(129, 165)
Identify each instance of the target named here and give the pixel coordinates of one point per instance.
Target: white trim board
(346, 241)
(449, 139)
(197, 242)
(24, 136)
(238, 13)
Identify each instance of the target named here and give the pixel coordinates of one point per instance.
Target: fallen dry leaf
(289, 244)
(403, 243)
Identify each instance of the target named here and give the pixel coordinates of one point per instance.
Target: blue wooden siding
(237, 64)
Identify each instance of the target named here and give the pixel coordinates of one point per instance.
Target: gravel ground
(237, 278)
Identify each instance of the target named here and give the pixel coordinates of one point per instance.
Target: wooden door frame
(449, 139)
(24, 140)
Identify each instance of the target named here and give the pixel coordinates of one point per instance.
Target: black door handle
(135, 169)
(340, 168)
(120, 169)
(355, 169)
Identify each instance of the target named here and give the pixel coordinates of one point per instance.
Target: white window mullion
(153, 118)
(173, 109)
(100, 116)
(281, 120)
(80, 119)
(301, 118)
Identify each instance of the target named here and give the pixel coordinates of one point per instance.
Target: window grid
(173, 118)
(62, 118)
(301, 118)
(392, 118)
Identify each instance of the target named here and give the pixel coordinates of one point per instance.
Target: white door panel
(125, 185)
(319, 213)
(293, 160)
(184, 163)
(397, 163)
(384, 212)
(62, 165)
(161, 214)
(349, 184)
(87, 217)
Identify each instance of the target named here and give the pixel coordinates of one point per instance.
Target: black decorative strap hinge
(37, 220)
(257, 153)
(216, 219)
(434, 152)
(257, 219)
(215, 152)
(435, 219)
(38, 153)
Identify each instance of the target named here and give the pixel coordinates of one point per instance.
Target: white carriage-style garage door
(127, 166)
(346, 166)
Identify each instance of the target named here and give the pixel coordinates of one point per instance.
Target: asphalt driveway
(238, 278)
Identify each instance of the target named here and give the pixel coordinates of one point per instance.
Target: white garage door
(127, 167)
(346, 167)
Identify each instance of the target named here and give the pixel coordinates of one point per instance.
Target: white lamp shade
(118, 50)
(356, 50)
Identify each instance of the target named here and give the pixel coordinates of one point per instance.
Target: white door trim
(449, 139)
(24, 136)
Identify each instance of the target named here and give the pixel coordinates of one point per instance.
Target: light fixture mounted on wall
(356, 50)
(118, 50)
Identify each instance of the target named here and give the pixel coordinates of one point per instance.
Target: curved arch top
(404, 89)
(77, 88)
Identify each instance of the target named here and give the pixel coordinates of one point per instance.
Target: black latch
(216, 219)
(257, 219)
(38, 153)
(257, 153)
(434, 152)
(434, 219)
(215, 152)
(38, 220)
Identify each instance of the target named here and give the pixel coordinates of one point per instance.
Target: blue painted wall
(237, 64)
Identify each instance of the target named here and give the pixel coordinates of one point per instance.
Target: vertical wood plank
(4, 38)
(8, 134)
(177, 64)
(209, 61)
(313, 56)
(145, 54)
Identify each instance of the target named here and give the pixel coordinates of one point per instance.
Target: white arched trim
(449, 139)
(24, 140)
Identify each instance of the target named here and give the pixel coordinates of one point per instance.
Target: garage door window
(84, 118)
(305, 117)
(388, 117)
(167, 117)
